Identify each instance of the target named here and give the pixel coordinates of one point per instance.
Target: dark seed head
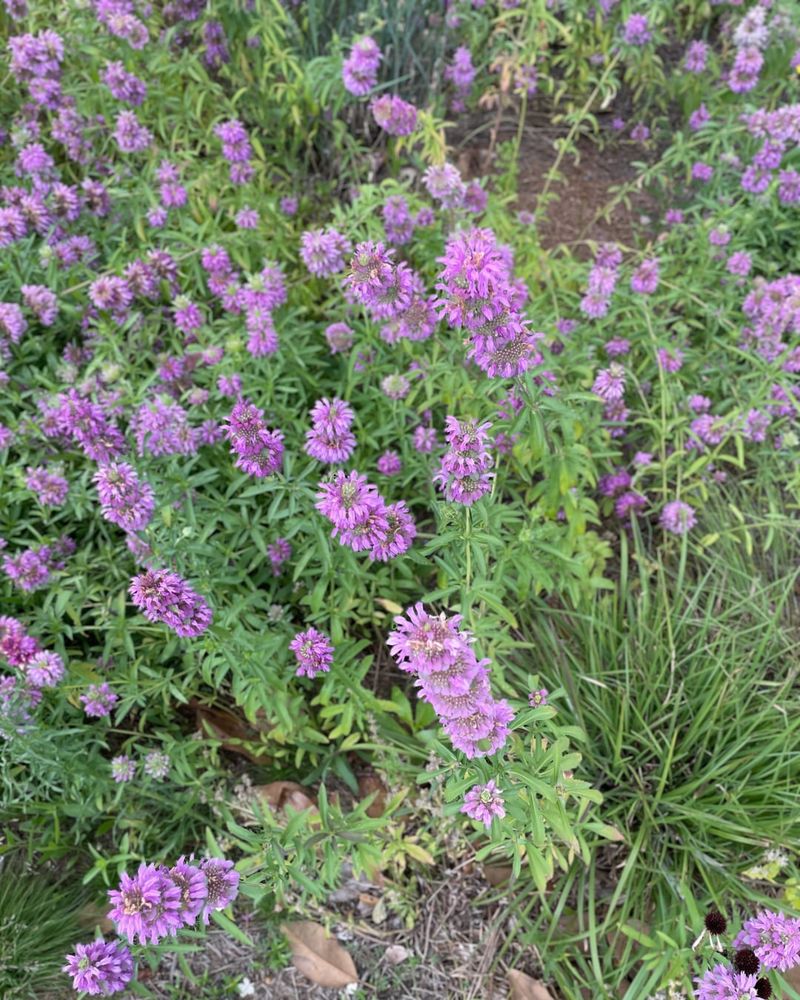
(715, 922)
(745, 960)
(763, 989)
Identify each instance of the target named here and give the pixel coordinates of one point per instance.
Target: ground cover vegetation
(359, 530)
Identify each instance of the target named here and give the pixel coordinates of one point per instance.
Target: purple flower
(397, 220)
(98, 700)
(124, 500)
(288, 205)
(745, 70)
(15, 644)
(330, 438)
(536, 699)
(259, 449)
(12, 323)
(313, 651)
(323, 251)
(100, 968)
(696, 56)
(42, 303)
(629, 504)
(123, 768)
(425, 642)
(339, 337)
(44, 669)
(677, 517)
(645, 278)
(698, 118)
(51, 488)
(348, 500)
(130, 135)
(722, 983)
(29, 569)
(384, 287)
(483, 803)
(124, 86)
(609, 384)
(192, 884)
(156, 765)
(111, 294)
(739, 263)
(146, 906)
(279, 552)
(464, 470)
(484, 732)
(481, 295)
(163, 596)
(389, 464)
(424, 439)
(670, 360)
(394, 115)
(461, 73)
(444, 184)
(161, 427)
(236, 149)
(395, 386)
(247, 218)
(222, 885)
(216, 43)
(774, 938)
(360, 69)
(399, 533)
(636, 30)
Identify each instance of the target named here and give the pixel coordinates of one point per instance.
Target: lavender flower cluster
(36, 669)
(452, 679)
(479, 295)
(258, 449)
(464, 469)
(164, 596)
(362, 519)
(767, 941)
(156, 903)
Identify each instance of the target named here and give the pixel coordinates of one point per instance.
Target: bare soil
(589, 181)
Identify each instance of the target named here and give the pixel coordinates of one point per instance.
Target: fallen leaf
(379, 912)
(396, 953)
(229, 729)
(497, 874)
(371, 784)
(318, 956)
(525, 988)
(280, 794)
(391, 606)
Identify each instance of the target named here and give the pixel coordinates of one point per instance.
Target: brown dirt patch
(588, 181)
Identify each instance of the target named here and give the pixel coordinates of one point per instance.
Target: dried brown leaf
(525, 988)
(371, 784)
(497, 874)
(280, 794)
(227, 727)
(318, 956)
